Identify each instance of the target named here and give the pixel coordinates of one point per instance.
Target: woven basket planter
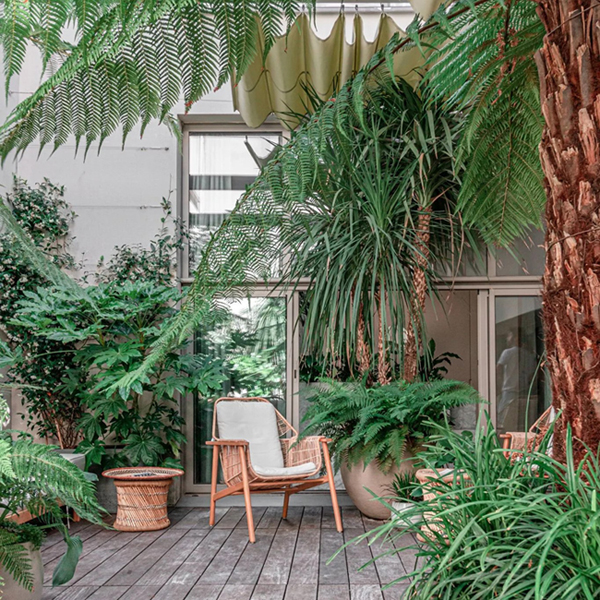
(142, 497)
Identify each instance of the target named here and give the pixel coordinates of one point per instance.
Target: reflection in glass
(221, 166)
(521, 396)
(250, 338)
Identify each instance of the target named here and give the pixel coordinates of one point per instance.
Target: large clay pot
(13, 591)
(357, 478)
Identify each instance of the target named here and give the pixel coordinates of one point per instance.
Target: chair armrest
(227, 443)
(298, 452)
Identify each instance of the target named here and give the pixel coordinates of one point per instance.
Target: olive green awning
(274, 86)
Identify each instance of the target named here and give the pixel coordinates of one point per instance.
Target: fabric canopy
(274, 85)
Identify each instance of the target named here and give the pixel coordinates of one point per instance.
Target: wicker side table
(142, 497)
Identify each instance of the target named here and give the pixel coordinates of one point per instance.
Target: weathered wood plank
(365, 592)
(183, 580)
(301, 592)
(77, 593)
(311, 518)
(305, 565)
(388, 564)
(236, 592)
(257, 514)
(276, 569)
(231, 518)
(91, 558)
(395, 592)
(224, 562)
(141, 592)
(57, 550)
(197, 518)
(336, 572)
(205, 592)
(250, 564)
(103, 572)
(270, 519)
(176, 514)
(358, 555)
(132, 572)
(268, 592)
(371, 524)
(352, 519)
(55, 536)
(333, 592)
(50, 593)
(408, 556)
(293, 519)
(327, 520)
(173, 559)
(113, 592)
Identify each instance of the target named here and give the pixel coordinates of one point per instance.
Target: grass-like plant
(381, 422)
(505, 530)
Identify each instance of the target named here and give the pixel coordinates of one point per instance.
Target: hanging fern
(131, 62)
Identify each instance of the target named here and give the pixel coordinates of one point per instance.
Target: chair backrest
(254, 420)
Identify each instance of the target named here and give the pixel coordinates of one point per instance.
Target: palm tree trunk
(419, 295)
(569, 69)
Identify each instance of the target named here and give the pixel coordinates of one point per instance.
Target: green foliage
(483, 65)
(113, 329)
(35, 477)
(405, 488)
(381, 422)
(38, 366)
(513, 532)
(130, 62)
(434, 367)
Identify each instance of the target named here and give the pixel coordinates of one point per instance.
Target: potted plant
(377, 431)
(405, 493)
(34, 478)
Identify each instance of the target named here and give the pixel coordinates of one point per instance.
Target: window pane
(251, 339)
(528, 257)
(221, 167)
(521, 395)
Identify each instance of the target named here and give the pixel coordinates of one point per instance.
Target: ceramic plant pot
(358, 479)
(11, 590)
(399, 508)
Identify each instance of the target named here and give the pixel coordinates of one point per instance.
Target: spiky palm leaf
(131, 61)
(484, 65)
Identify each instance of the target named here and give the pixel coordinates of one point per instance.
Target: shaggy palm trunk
(569, 69)
(418, 297)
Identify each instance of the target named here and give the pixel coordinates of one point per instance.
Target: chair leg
(334, 500)
(247, 501)
(286, 503)
(213, 484)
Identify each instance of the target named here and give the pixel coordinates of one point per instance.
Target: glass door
(518, 390)
(252, 338)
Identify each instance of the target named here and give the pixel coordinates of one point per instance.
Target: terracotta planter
(357, 478)
(13, 591)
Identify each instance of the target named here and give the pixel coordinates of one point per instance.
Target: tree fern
(130, 64)
(379, 423)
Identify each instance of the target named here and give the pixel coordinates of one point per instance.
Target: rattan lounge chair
(515, 443)
(257, 456)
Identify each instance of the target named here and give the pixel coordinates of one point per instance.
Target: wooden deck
(194, 562)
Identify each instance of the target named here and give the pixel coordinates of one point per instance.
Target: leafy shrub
(39, 365)
(381, 422)
(527, 530)
(114, 327)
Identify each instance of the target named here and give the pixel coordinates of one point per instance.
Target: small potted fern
(377, 431)
(404, 493)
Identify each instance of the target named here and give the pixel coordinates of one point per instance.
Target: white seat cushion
(302, 469)
(255, 422)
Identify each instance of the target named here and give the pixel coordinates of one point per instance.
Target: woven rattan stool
(142, 497)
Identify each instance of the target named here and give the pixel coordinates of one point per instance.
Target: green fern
(131, 63)
(381, 422)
